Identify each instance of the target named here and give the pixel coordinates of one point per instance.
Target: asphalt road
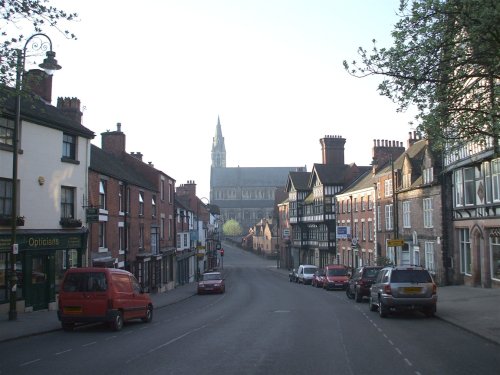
(263, 324)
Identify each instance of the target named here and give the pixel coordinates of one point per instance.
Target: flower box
(67, 222)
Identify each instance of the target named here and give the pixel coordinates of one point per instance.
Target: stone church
(245, 194)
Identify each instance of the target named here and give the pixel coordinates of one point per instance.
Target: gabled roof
(298, 181)
(336, 175)
(109, 165)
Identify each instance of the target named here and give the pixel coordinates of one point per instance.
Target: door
(39, 288)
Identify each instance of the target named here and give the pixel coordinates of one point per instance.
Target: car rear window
(371, 273)
(337, 272)
(85, 282)
(410, 276)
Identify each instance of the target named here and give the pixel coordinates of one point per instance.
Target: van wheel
(68, 327)
(149, 315)
(117, 323)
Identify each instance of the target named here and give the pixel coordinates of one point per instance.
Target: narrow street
(263, 324)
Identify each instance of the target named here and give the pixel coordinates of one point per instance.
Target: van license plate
(72, 310)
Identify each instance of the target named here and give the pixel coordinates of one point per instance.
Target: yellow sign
(395, 243)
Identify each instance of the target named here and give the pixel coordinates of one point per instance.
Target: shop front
(41, 262)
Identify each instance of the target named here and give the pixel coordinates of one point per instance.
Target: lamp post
(37, 45)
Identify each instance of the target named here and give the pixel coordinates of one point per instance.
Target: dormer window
(428, 175)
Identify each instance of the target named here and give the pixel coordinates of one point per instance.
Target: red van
(336, 277)
(110, 295)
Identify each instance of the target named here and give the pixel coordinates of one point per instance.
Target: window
(363, 204)
(141, 236)
(370, 202)
(363, 230)
(102, 234)
(379, 218)
(469, 186)
(5, 197)
(153, 206)
(388, 217)
(487, 182)
(427, 202)
(370, 231)
(429, 256)
(121, 238)
(495, 256)
(459, 189)
(102, 194)
(162, 228)
(388, 188)
(69, 146)
(162, 189)
(406, 214)
(67, 202)
(465, 251)
(121, 199)
(141, 203)
(6, 131)
(356, 208)
(406, 180)
(495, 179)
(428, 175)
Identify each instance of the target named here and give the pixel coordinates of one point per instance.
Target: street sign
(92, 215)
(343, 232)
(395, 242)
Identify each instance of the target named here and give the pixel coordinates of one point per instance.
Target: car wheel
(429, 311)
(372, 306)
(348, 293)
(68, 327)
(117, 323)
(383, 311)
(149, 315)
(357, 296)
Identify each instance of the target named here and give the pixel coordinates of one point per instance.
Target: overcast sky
(271, 69)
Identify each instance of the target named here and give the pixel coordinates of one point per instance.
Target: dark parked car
(292, 276)
(318, 278)
(403, 288)
(361, 281)
(211, 282)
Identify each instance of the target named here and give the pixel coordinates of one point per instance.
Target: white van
(305, 273)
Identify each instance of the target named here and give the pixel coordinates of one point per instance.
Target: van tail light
(434, 288)
(387, 289)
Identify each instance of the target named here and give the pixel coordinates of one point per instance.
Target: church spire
(218, 148)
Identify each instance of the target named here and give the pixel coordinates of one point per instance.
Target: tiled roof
(109, 165)
(37, 111)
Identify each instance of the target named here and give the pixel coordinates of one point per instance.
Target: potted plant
(69, 222)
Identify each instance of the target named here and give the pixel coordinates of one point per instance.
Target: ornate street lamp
(35, 44)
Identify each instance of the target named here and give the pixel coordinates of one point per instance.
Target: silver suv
(403, 288)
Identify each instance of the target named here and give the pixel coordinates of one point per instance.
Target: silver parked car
(403, 288)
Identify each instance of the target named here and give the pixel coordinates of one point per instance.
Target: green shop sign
(47, 241)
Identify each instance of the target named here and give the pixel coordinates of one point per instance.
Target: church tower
(218, 148)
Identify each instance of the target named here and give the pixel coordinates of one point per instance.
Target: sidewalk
(476, 310)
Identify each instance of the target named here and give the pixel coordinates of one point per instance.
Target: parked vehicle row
(388, 289)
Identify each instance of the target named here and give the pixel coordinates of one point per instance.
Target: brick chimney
(39, 83)
(138, 155)
(332, 150)
(412, 138)
(71, 108)
(383, 151)
(114, 142)
(188, 189)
